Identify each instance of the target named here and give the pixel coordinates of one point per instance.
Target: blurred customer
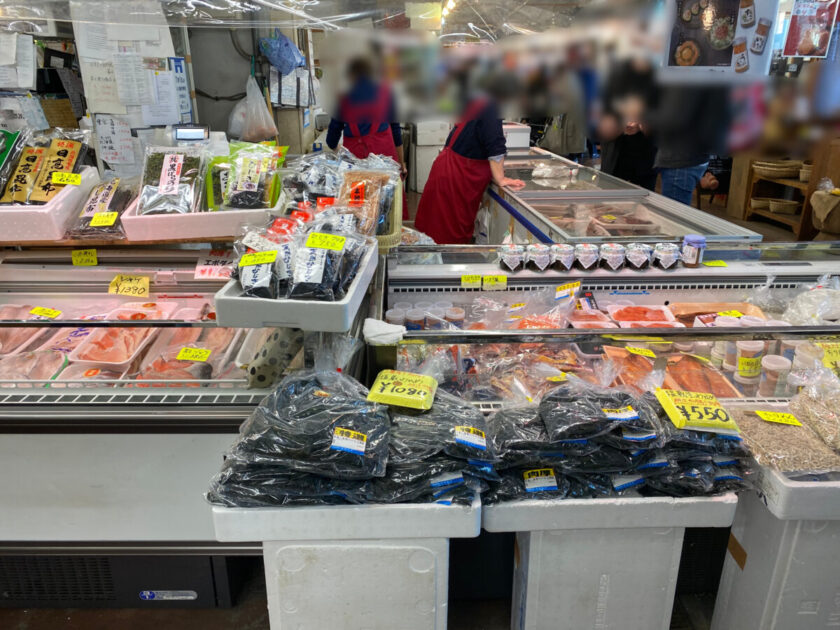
(472, 158)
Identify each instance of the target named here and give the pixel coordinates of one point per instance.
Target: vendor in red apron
(366, 118)
(472, 158)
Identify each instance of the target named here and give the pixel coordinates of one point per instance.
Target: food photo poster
(809, 31)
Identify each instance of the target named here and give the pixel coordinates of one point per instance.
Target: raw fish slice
(184, 337)
(113, 345)
(41, 365)
(217, 339)
(12, 338)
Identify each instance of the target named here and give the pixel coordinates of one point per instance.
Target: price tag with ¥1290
(66, 179)
(403, 389)
(193, 354)
(696, 410)
(134, 286)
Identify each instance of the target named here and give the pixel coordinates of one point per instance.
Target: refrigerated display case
(565, 202)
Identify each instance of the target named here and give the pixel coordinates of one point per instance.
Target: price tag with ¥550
(494, 283)
(193, 354)
(66, 179)
(135, 286)
(696, 410)
(471, 281)
(84, 257)
(403, 389)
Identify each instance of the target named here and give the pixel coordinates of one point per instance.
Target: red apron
(376, 142)
(453, 193)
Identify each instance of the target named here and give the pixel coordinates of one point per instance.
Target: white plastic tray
(798, 500)
(347, 522)
(156, 227)
(667, 315)
(46, 222)
(238, 311)
(610, 513)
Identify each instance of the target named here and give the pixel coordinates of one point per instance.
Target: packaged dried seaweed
(785, 447)
(250, 178)
(172, 178)
(114, 195)
(63, 156)
(11, 143)
(325, 264)
(23, 177)
(216, 180)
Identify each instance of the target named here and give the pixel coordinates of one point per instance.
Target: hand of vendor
(507, 182)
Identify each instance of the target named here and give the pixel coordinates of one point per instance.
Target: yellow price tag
(318, 240)
(49, 313)
(494, 283)
(608, 217)
(258, 258)
(84, 257)
(557, 378)
(348, 440)
(135, 286)
(66, 179)
(403, 389)
(749, 367)
(695, 410)
(731, 314)
(193, 354)
(642, 352)
(831, 358)
(472, 281)
(779, 417)
(104, 219)
(715, 263)
(566, 290)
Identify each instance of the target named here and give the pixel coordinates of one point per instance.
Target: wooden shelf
(793, 220)
(784, 181)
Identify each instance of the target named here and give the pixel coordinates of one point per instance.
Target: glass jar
(638, 255)
(512, 257)
(666, 255)
(586, 256)
(612, 256)
(537, 257)
(692, 250)
(562, 256)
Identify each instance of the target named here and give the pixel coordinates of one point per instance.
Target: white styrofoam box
(611, 513)
(348, 522)
(517, 135)
(790, 500)
(47, 222)
(155, 227)
(239, 311)
(357, 585)
(421, 164)
(789, 579)
(596, 578)
(431, 132)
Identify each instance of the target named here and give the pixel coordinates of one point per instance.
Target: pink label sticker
(170, 174)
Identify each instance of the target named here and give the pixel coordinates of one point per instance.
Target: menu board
(728, 37)
(809, 31)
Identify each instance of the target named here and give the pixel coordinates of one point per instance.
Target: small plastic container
(748, 321)
(808, 356)
(562, 256)
(444, 304)
(717, 358)
(395, 316)
(638, 255)
(747, 385)
(666, 255)
(684, 347)
(725, 321)
(423, 306)
(612, 256)
(703, 348)
(787, 347)
(775, 347)
(456, 316)
(692, 250)
(749, 355)
(537, 257)
(727, 367)
(415, 319)
(405, 306)
(512, 257)
(774, 375)
(435, 318)
(730, 353)
(586, 256)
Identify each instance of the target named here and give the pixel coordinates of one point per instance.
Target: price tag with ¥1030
(403, 389)
(697, 411)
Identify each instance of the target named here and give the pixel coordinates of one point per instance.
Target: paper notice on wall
(133, 32)
(134, 84)
(33, 113)
(294, 88)
(8, 46)
(273, 85)
(73, 86)
(92, 41)
(114, 135)
(179, 69)
(20, 74)
(101, 87)
(165, 111)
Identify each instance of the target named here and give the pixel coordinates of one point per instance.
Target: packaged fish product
(172, 180)
(13, 339)
(83, 376)
(42, 365)
(112, 196)
(185, 354)
(360, 193)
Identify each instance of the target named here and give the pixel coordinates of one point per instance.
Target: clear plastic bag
(250, 119)
(360, 194)
(172, 180)
(325, 273)
(249, 181)
(282, 52)
(519, 484)
(114, 195)
(317, 422)
(818, 406)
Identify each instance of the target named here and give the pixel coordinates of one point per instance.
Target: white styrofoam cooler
(600, 563)
(431, 132)
(354, 567)
(781, 571)
(157, 227)
(239, 311)
(49, 221)
(517, 135)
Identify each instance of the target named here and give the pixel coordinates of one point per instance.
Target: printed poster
(809, 31)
